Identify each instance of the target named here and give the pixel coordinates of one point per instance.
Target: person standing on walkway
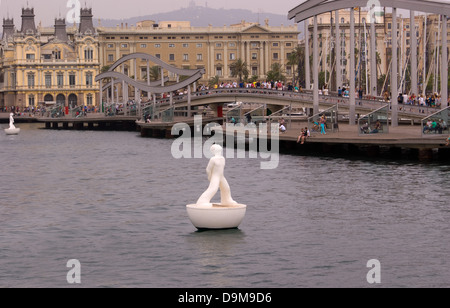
(322, 125)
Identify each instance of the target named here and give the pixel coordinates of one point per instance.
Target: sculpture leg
(225, 193)
(212, 190)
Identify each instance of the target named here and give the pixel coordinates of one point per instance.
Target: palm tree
(213, 81)
(297, 59)
(239, 69)
(276, 73)
(155, 73)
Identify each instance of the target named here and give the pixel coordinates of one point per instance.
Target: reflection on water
(116, 202)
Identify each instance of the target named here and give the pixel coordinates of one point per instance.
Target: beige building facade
(213, 48)
(49, 65)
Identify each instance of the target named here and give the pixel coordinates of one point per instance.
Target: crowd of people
(268, 85)
(436, 126)
(431, 100)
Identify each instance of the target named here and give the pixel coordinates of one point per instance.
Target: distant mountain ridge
(200, 16)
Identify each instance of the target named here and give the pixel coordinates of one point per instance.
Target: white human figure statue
(215, 171)
(11, 121)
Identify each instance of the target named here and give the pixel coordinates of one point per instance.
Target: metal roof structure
(312, 8)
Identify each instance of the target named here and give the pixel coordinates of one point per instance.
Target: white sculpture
(226, 215)
(12, 130)
(215, 172)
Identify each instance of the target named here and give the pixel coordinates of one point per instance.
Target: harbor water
(117, 203)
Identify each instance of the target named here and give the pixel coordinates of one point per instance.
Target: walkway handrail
(367, 130)
(292, 97)
(442, 127)
(334, 119)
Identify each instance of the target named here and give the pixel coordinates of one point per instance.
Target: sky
(47, 10)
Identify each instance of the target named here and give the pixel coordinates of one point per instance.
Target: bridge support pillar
(55, 125)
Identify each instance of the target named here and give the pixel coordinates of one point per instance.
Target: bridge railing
(234, 115)
(256, 116)
(369, 103)
(436, 124)
(56, 112)
(329, 119)
(77, 112)
(376, 122)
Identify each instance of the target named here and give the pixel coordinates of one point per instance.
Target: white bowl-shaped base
(217, 216)
(14, 131)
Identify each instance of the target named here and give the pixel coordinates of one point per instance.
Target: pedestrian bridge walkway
(280, 99)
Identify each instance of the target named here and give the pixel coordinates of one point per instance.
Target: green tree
(104, 69)
(276, 73)
(297, 61)
(155, 73)
(213, 81)
(239, 69)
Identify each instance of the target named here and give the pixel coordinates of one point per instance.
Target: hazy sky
(47, 10)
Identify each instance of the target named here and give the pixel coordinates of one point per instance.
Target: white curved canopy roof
(311, 8)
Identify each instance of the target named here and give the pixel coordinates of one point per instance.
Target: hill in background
(200, 16)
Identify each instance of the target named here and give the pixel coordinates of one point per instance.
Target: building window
(88, 79)
(158, 56)
(124, 45)
(232, 45)
(143, 45)
(275, 44)
(31, 100)
(218, 45)
(48, 80)
(289, 70)
(72, 81)
(30, 56)
(110, 45)
(110, 58)
(57, 55)
(171, 45)
(255, 71)
(219, 57)
(157, 45)
(172, 57)
(232, 56)
(31, 82)
(219, 71)
(275, 56)
(60, 80)
(89, 100)
(199, 45)
(254, 56)
(185, 57)
(89, 54)
(185, 45)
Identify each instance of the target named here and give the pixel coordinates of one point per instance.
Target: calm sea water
(116, 202)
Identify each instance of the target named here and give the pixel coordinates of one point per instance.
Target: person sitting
(377, 128)
(428, 126)
(282, 128)
(303, 135)
(365, 128)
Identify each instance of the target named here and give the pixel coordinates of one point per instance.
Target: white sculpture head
(11, 114)
(216, 149)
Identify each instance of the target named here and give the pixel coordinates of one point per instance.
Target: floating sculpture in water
(226, 215)
(12, 130)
